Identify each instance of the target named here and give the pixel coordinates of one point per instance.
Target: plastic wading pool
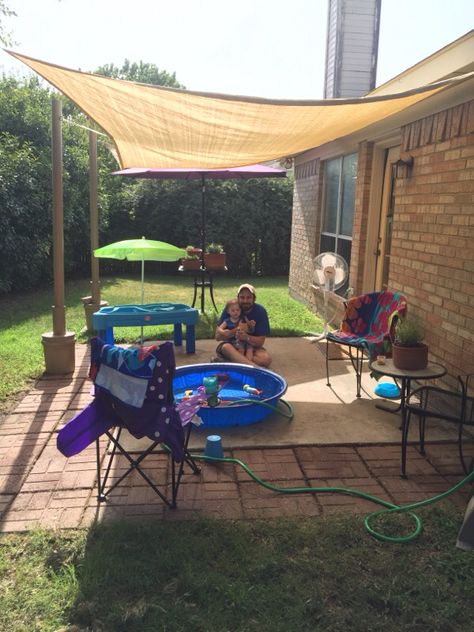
(238, 407)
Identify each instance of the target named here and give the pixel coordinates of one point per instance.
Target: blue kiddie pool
(238, 406)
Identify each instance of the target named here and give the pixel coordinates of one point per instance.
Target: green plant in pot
(192, 261)
(192, 251)
(408, 350)
(214, 257)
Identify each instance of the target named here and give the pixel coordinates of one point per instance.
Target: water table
(106, 318)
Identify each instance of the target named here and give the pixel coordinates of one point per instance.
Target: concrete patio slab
(334, 440)
(323, 415)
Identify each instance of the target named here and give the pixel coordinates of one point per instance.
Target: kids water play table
(106, 318)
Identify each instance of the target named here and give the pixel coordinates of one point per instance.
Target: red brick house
(396, 200)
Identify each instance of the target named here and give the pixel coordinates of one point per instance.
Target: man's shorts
(220, 357)
(219, 353)
(219, 350)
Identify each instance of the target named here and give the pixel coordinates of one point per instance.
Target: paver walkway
(39, 487)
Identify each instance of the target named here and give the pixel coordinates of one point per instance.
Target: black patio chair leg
(405, 429)
(466, 469)
(422, 427)
(357, 363)
(360, 362)
(328, 383)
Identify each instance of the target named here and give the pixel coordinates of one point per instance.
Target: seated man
(252, 312)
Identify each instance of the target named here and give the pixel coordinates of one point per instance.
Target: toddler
(235, 320)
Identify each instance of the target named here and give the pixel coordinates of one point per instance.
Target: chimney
(351, 47)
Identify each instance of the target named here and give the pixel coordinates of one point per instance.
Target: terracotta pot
(410, 358)
(191, 264)
(214, 260)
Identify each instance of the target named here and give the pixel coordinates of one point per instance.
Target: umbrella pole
(203, 218)
(203, 237)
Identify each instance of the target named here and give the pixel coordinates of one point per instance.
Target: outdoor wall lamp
(403, 168)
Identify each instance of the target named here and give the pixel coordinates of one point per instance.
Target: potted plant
(192, 261)
(408, 350)
(214, 257)
(192, 250)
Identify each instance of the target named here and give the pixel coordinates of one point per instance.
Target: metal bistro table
(202, 279)
(403, 377)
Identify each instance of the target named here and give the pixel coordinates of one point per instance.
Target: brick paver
(40, 487)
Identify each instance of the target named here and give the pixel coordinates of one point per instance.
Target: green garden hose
(389, 507)
(289, 414)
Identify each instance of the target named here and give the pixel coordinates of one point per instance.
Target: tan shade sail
(162, 127)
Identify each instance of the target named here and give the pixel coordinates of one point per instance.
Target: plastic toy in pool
(238, 406)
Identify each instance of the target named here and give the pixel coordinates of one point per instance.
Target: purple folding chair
(133, 390)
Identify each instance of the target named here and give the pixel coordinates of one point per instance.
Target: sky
(264, 48)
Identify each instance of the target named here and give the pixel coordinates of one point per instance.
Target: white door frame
(383, 159)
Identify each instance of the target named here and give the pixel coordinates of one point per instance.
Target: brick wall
(432, 260)
(306, 226)
(305, 230)
(361, 216)
(432, 256)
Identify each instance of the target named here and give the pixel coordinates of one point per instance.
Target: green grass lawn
(287, 575)
(214, 576)
(23, 318)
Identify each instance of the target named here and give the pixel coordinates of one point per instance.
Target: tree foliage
(26, 186)
(140, 72)
(5, 11)
(251, 218)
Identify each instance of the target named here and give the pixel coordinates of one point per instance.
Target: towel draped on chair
(133, 389)
(368, 322)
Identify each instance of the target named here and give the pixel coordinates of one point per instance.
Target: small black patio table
(403, 377)
(202, 279)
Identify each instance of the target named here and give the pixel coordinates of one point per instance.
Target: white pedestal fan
(330, 272)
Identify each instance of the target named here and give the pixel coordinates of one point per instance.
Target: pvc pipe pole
(94, 221)
(59, 314)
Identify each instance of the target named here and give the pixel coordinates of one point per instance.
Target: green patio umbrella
(141, 250)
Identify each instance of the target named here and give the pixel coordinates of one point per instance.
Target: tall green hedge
(251, 219)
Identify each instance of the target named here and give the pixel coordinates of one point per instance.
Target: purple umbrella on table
(231, 173)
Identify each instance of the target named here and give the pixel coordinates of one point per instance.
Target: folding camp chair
(133, 391)
(368, 321)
